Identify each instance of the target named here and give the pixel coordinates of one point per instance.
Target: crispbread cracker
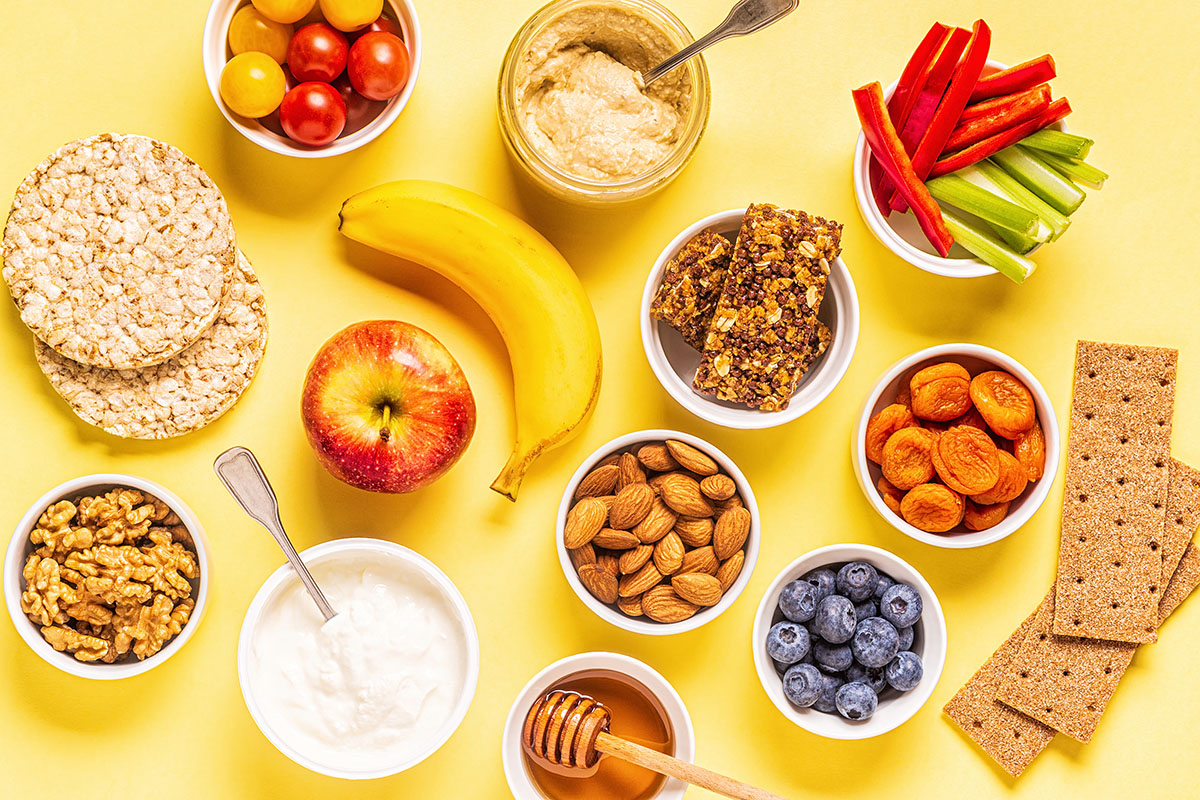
(1118, 459)
(1183, 517)
(1008, 736)
(1183, 582)
(117, 251)
(183, 394)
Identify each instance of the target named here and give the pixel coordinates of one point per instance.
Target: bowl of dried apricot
(957, 445)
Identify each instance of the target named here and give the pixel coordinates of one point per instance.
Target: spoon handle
(682, 770)
(239, 470)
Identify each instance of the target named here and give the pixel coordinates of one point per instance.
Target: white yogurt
(374, 685)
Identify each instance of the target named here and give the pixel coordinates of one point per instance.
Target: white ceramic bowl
(19, 548)
(216, 54)
(674, 362)
(285, 577)
(900, 233)
(672, 709)
(976, 358)
(929, 642)
(642, 624)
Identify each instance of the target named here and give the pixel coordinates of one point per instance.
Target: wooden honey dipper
(568, 729)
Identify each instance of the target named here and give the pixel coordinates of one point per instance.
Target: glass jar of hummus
(572, 109)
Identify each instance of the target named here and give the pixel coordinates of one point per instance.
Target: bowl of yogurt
(379, 687)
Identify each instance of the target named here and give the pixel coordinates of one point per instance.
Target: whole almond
(698, 588)
(690, 458)
(732, 502)
(717, 487)
(634, 559)
(599, 582)
(702, 559)
(694, 531)
(645, 578)
(612, 539)
(662, 604)
(600, 481)
(608, 561)
(582, 555)
(729, 570)
(613, 459)
(632, 505)
(630, 606)
(657, 458)
(682, 495)
(668, 554)
(657, 523)
(631, 471)
(584, 521)
(729, 534)
(608, 501)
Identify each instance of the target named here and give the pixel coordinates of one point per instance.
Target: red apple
(386, 407)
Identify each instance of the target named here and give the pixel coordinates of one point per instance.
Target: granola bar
(687, 298)
(764, 334)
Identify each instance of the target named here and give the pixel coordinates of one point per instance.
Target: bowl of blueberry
(849, 641)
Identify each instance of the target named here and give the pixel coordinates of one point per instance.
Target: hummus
(579, 97)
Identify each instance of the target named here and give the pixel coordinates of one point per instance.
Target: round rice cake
(117, 251)
(183, 394)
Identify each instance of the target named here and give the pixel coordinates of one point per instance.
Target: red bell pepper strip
(994, 144)
(916, 72)
(885, 144)
(950, 109)
(996, 104)
(975, 130)
(1014, 79)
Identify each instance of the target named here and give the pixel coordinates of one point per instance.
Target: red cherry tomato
(317, 52)
(313, 113)
(382, 25)
(359, 110)
(378, 65)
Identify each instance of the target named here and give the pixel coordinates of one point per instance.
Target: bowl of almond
(658, 532)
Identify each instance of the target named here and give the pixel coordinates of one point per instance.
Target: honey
(637, 716)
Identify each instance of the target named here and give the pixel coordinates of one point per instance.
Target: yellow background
(782, 130)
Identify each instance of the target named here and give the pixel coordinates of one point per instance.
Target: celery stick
(1059, 142)
(988, 206)
(1076, 170)
(1058, 223)
(1040, 179)
(1018, 242)
(990, 250)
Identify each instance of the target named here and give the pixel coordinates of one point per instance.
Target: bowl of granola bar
(749, 317)
(106, 576)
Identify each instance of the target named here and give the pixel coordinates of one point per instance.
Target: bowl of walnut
(658, 532)
(106, 576)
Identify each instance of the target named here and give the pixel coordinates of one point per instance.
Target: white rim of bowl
(765, 612)
(834, 364)
(285, 574)
(1046, 417)
(16, 554)
(704, 615)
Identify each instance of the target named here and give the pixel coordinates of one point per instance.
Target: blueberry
(856, 580)
(875, 677)
(906, 638)
(802, 684)
(832, 657)
(856, 701)
(798, 601)
(823, 580)
(865, 609)
(905, 671)
(881, 584)
(834, 620)
(875, 642)
(780, 667)
(900, 605)
(787, 642)
(826, 698)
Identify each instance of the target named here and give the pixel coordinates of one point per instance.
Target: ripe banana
(521, 281)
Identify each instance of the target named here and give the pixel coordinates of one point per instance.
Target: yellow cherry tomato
(252, 84)
(285, 11)
(251, 32)
(350, 15)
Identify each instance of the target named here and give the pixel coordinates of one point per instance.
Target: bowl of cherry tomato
(311, 78)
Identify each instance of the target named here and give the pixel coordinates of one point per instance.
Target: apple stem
(385, 431)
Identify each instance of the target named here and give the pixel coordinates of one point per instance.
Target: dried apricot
(904, 393)
(932, 507)
(1030, 449)
(967, 460)
(941, 392)
(881, 427)
(891, 495)
(980, 518)
(1011, 483)
(972, 418)
(906, 457)
(1005, 403)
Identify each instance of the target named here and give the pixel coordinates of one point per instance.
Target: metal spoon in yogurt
(238, 469)
(748, 16)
